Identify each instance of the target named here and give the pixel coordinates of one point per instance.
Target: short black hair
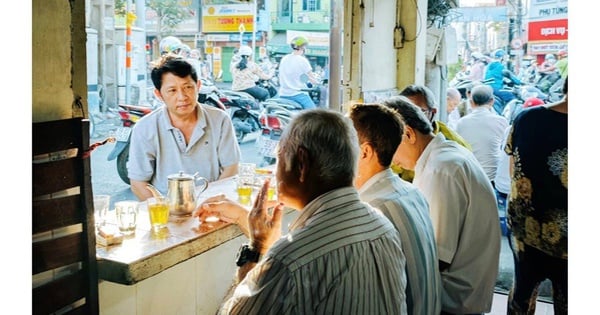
(174, 64)
(380, 126)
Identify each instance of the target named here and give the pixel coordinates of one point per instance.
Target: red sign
(551, 30)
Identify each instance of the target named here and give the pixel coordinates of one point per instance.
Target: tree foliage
(170, 13)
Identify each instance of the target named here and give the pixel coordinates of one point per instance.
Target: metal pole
(335, 57)
(128, 22)
(254, 30)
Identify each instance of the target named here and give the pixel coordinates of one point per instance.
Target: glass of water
(101, 205)
(127, 212)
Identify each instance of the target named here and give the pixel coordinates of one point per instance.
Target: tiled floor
(499, 306)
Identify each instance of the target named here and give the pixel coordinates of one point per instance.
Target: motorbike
(130, 114)
(243, 110)
(275, 116)
(209, 94)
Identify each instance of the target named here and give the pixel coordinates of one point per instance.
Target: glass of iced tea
(244, 191)
(158, 210)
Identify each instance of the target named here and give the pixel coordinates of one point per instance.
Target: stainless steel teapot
(181, 191)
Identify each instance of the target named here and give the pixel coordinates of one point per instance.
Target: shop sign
(227, 18)
(548, 10)
(548, 30)
(545, 48)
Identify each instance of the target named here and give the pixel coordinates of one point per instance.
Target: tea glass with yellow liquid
(244, 191)
(158, 210)
(264, 174)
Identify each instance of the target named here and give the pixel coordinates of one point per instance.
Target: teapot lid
(180, 176)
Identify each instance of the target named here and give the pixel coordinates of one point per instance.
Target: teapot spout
(154, 191)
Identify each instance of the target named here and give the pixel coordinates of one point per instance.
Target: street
(105, 179)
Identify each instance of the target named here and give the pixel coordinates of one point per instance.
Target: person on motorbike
(496, 71)
(477, 70)
(294, 72)
(181, 136)
(245, 73)
(170, 44)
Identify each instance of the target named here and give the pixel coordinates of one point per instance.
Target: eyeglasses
(429, 113)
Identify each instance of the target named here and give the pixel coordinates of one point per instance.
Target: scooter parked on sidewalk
(275, 116)
(130, 115)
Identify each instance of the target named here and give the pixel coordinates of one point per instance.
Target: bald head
(453, 98)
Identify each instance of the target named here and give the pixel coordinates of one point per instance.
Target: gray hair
(330, 139)
(412, 115)
(453, 93)
(425, 92)
(482, 95)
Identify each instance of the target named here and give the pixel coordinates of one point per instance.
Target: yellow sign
(228, 18)
(222, 24)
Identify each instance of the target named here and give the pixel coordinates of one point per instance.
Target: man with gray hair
(483, 129)
(341, 255)
(453, 99)
(462, 207)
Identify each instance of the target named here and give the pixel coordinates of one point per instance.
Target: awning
(278, 45)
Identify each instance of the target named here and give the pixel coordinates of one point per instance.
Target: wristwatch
(246, 254)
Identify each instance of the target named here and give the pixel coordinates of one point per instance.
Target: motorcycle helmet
(170, 44)
(532, 101)
(499, 53)
(549, 57)
(186, 49)
(298, 42)
(562, 53)
(245, 51)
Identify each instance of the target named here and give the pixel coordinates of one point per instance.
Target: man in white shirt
(462, 207)
(483, 129)
(294, 72)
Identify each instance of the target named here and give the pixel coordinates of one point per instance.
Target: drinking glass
(101, 205)
(244, 191)
(158, 210)
(127, 212)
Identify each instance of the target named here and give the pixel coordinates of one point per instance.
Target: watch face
(246, 254)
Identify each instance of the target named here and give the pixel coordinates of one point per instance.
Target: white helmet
(245, 51)
(170, 44)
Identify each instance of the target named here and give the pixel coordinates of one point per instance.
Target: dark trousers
(258, 93)
(533, 266)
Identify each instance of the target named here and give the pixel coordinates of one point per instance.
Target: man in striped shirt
(341, 255)
(380, 131)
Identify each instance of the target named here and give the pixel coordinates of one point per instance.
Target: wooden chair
(65, 275)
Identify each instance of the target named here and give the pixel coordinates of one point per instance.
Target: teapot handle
(204, 184)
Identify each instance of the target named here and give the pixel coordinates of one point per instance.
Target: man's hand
(265, 228)
(225, 209)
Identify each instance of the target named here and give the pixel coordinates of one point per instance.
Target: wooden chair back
(64, 275)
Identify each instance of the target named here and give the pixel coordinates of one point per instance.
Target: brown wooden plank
(55, 176)
(51, 136)
(55, 213)
(60, 293)
(54, 172)
(54, 253)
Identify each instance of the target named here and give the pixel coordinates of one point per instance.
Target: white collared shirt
(465, 219)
